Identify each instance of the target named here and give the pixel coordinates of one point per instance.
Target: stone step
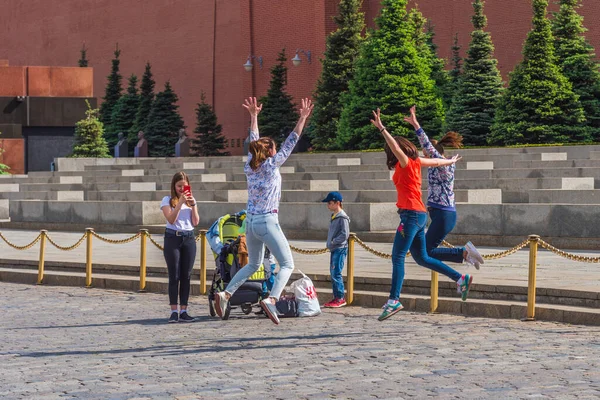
(562, 196)
(513, 309)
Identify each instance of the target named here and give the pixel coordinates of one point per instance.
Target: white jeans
(261, 230)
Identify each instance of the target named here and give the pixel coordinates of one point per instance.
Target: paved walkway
(553, 271)
(77, 343)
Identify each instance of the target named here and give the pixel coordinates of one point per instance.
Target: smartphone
(187, 189)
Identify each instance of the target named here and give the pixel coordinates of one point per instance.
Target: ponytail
(260, 151)
(450, 139)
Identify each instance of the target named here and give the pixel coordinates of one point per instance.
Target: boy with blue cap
(337, 243)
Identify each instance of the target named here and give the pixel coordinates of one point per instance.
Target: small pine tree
(164, 123)
(83, 61)
(479, 88)
(342, 49)
(208, 140)
(391, 74)
(539, 105)
(112, 95)
(145, 105)
(456, 70)
(575, 56)
(440, 76)
(124, 112)
(89, 136)
(279, 115)
(3, 167)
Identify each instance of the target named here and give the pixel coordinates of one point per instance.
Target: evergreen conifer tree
(111, 96)
(392, 75)
(456, 70)
(89, 136)
(575, 55)
(208, 140)
(83, 61)
(164, 123)
(479, 87)
(342, 49)
(145, 104)
(440, 76)
(539, 105)
(279, 115)
(124, 112)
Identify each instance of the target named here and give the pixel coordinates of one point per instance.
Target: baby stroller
(228, 246)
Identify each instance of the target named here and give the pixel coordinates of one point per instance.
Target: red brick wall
(196, 49)
(13, 155)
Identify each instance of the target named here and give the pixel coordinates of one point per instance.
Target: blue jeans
(442, 223)
(336, 266)
(261, 230)
(411, 236)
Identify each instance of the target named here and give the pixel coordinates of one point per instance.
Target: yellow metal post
(88, 257)
(434, 291)
(350, 273)
(203, 261)
(533, 247)
(143, 242)
(40, 279)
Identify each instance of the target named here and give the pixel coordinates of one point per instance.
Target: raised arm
(439, 162)
(389, 139)
(292, 139)
(254, 109)
(307, 107)
(426, 145)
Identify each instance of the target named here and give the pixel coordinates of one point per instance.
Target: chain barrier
(117, 241)
(66, 248)
(308, 252)
(26, 247)
(570, 256)
(154, 242)
(372, 250)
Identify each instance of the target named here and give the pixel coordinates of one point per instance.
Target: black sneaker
(174, 317)
(185, 317)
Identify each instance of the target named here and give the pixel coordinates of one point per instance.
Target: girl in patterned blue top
(262, 222)
(440, 199)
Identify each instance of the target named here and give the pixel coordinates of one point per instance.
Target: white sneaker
(221, 302)
(473, 254)
(270, 309)
(471, 261)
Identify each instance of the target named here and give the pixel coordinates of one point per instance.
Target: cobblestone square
(77, 343)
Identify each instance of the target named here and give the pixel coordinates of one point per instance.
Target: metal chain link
(26, 247)
(569, 256)
(372, 250)
(117, 241)
(154, 242)
(309, 252)
(66, 248)
(506, 253)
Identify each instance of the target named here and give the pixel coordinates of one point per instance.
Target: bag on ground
(306, 296)
(287, 307)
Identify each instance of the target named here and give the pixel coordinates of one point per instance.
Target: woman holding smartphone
(182, 216)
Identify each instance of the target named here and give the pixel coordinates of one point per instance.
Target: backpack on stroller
(229, 249)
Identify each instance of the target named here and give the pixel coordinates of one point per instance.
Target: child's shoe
(390, 309)
(335, 303)
(463, 286)
(473, 255)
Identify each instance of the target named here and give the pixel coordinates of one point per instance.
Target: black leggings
(180, 253)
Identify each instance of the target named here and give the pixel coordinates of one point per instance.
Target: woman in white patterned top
(262, 221)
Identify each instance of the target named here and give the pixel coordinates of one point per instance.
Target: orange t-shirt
(408, 185)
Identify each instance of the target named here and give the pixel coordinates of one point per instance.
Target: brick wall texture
(201, 45)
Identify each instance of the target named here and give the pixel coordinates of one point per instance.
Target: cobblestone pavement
(59, 342)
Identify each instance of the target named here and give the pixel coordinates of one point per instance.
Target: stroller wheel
(211, 308)
(246, 308)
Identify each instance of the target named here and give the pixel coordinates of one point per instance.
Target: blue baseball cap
(333, 196)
